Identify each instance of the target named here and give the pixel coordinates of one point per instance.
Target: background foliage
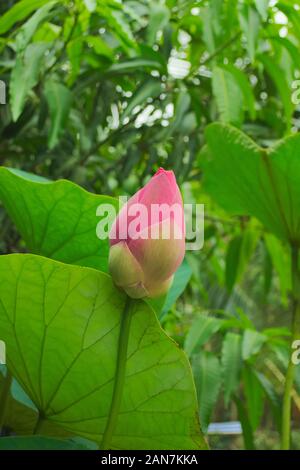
(102, 93)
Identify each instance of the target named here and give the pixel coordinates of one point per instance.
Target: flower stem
(4, 397)
(119, 375)
(289, 378)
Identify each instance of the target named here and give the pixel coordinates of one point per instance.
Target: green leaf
(183, 102)
(99, 46)
(231, 364)
(262, 8)
(250, 23)
(133, 64)
(29, 28)
(252, 343)
(21, 414)
(151, 88)
(246, 89)
(18, 12)
(272, 396)
(181, 280)
(75, 54)
(246, 179)
(289, 46)
(38, 443)
(61, 325)
(281, 262)
(232, 261)
(254, 397)
(91, 5)
(159, 18)
(208, 32)
(246, 426)
(228, 95)
(278, 76)
(239, 252)
(59, 99)
(25, 76)
(202, 329)
(56, 219)
(207, 373)
(277, 331)
(117, 21)
(245, 321)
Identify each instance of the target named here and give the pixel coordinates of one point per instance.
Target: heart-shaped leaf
(20, 418)
(56, 219)
(247, 179)
(61, 325)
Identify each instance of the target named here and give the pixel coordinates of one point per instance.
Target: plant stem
(119, 375)
(222, 47)
(38, 424)
(4, 397)
(289, 378)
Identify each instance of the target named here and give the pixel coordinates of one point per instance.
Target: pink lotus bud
(147, 239)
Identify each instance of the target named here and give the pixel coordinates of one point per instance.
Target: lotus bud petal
(147, 239)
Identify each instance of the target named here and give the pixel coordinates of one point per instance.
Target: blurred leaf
(254, 397)
(133, 64)
(244, 318)
(252, 343)
(181, 107)
(232, 261)
(29, 28)
(289, 46)
(231, 364)
(91, 5)
(228, 96)
(262, 8)
(283, 86)
(117, 20)
(159, 17)
(99, 46)
(18, 12)
(250, 24)
(208, 32)
(246, 88)
(59, 99)
(181, 279)
(75, 53)
(277, 331)
(272, 396)
(247, 430)
(151, 88)
(208, 377)
(25, 76)
(281, 262)
(239, 252)
(202, 329)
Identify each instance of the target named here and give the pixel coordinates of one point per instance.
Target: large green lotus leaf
(56, 219)
(246, 179)
(61, 326)
(21, 418)
(38, 443)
